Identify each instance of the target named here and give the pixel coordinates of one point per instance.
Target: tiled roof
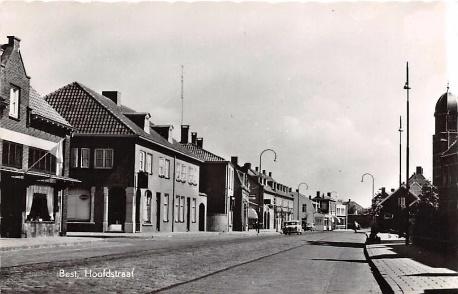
(92, 113)
(202, 153)
(82, 110)
(40, 107)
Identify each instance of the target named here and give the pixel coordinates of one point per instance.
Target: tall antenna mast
(182, 93)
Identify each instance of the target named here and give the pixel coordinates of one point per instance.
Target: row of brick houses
(80, 160)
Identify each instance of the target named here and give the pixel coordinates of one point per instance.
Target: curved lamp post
(372, 197)
(298, 195)
(260, 170)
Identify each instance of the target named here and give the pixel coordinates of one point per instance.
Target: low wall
(217, 223)
(40, 229)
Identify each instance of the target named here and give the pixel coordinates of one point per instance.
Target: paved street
(327, 262)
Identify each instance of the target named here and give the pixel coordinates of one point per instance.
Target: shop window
(12, 154)
(39, 210)
(79, 205)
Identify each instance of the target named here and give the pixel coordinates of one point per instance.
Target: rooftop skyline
(320, 83)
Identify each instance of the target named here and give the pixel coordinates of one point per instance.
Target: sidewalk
(411, 269)
(81, 238)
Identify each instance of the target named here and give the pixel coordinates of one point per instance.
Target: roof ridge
(88, 91)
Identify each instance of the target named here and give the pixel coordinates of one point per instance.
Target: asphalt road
(328, 262)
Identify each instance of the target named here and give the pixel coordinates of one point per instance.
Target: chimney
(247, 166)
(14, 42)
(184, 134)
(270, 174)
(329, 194)
(317, 193)
(193, 138)
(419, 170)
(114, 96)
(392, 190)
(383, 190)
(200, 142)
(290, 189)
(235, 160)
(264, 171)
(257, 169)
(297, 190)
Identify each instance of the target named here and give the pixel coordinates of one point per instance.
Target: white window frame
(104, 156)
(149, 163)
(161, 166)
(88, 157)
(177, 209)
(74, 158)
(142, 161)
(166, 208)
(167, 168)
(15, 93)
(182, 202)
(193, 209)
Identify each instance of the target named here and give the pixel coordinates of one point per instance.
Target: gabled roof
(203, 154)
(41, 108)
(94, 114)
(399, 190)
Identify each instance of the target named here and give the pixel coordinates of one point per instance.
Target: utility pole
(400, 150)
(407, 88)
(182, 93)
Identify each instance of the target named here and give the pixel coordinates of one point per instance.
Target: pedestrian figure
(356, 227)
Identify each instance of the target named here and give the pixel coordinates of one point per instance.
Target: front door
(188, 214)
(137, 210)
(13, 200)
(158, 212)
(117, 207)
(201, 217)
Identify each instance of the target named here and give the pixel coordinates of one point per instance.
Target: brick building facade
(135, 176)
(34, 148)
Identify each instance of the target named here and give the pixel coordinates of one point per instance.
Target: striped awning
(252, 213)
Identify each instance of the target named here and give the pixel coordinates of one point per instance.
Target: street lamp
(260, 170)
(373, 232)
(298, 195)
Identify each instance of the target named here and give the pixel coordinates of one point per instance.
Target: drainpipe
(173, 191)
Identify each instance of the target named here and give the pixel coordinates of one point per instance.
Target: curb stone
(383, 283)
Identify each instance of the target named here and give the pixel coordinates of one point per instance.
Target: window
(12, 154)
(147, 209)
(182, 200)
(304, 207)
(193, 210)
(166, 208)
(167, 169)
(39, 210)
(85, 154)
(178, 172)
(183, 173)
(177, 209)
(402, 201)
(14, 102)
(79, 205)
(41, 160)
(190, 175)
(103, 158)
(149, 163)
(141, 165)
(74, 157)
(161, 167)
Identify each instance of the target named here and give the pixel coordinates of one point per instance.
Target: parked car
(291, 227)
(310, 227)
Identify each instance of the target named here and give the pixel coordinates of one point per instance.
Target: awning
(252, 213)
(41, 176)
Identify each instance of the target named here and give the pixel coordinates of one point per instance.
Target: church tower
(445, 130)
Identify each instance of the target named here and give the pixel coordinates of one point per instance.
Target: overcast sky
(322, 84)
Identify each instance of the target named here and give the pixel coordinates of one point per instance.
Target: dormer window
(14, 102)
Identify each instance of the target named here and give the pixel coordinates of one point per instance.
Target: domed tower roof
(447, 103)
